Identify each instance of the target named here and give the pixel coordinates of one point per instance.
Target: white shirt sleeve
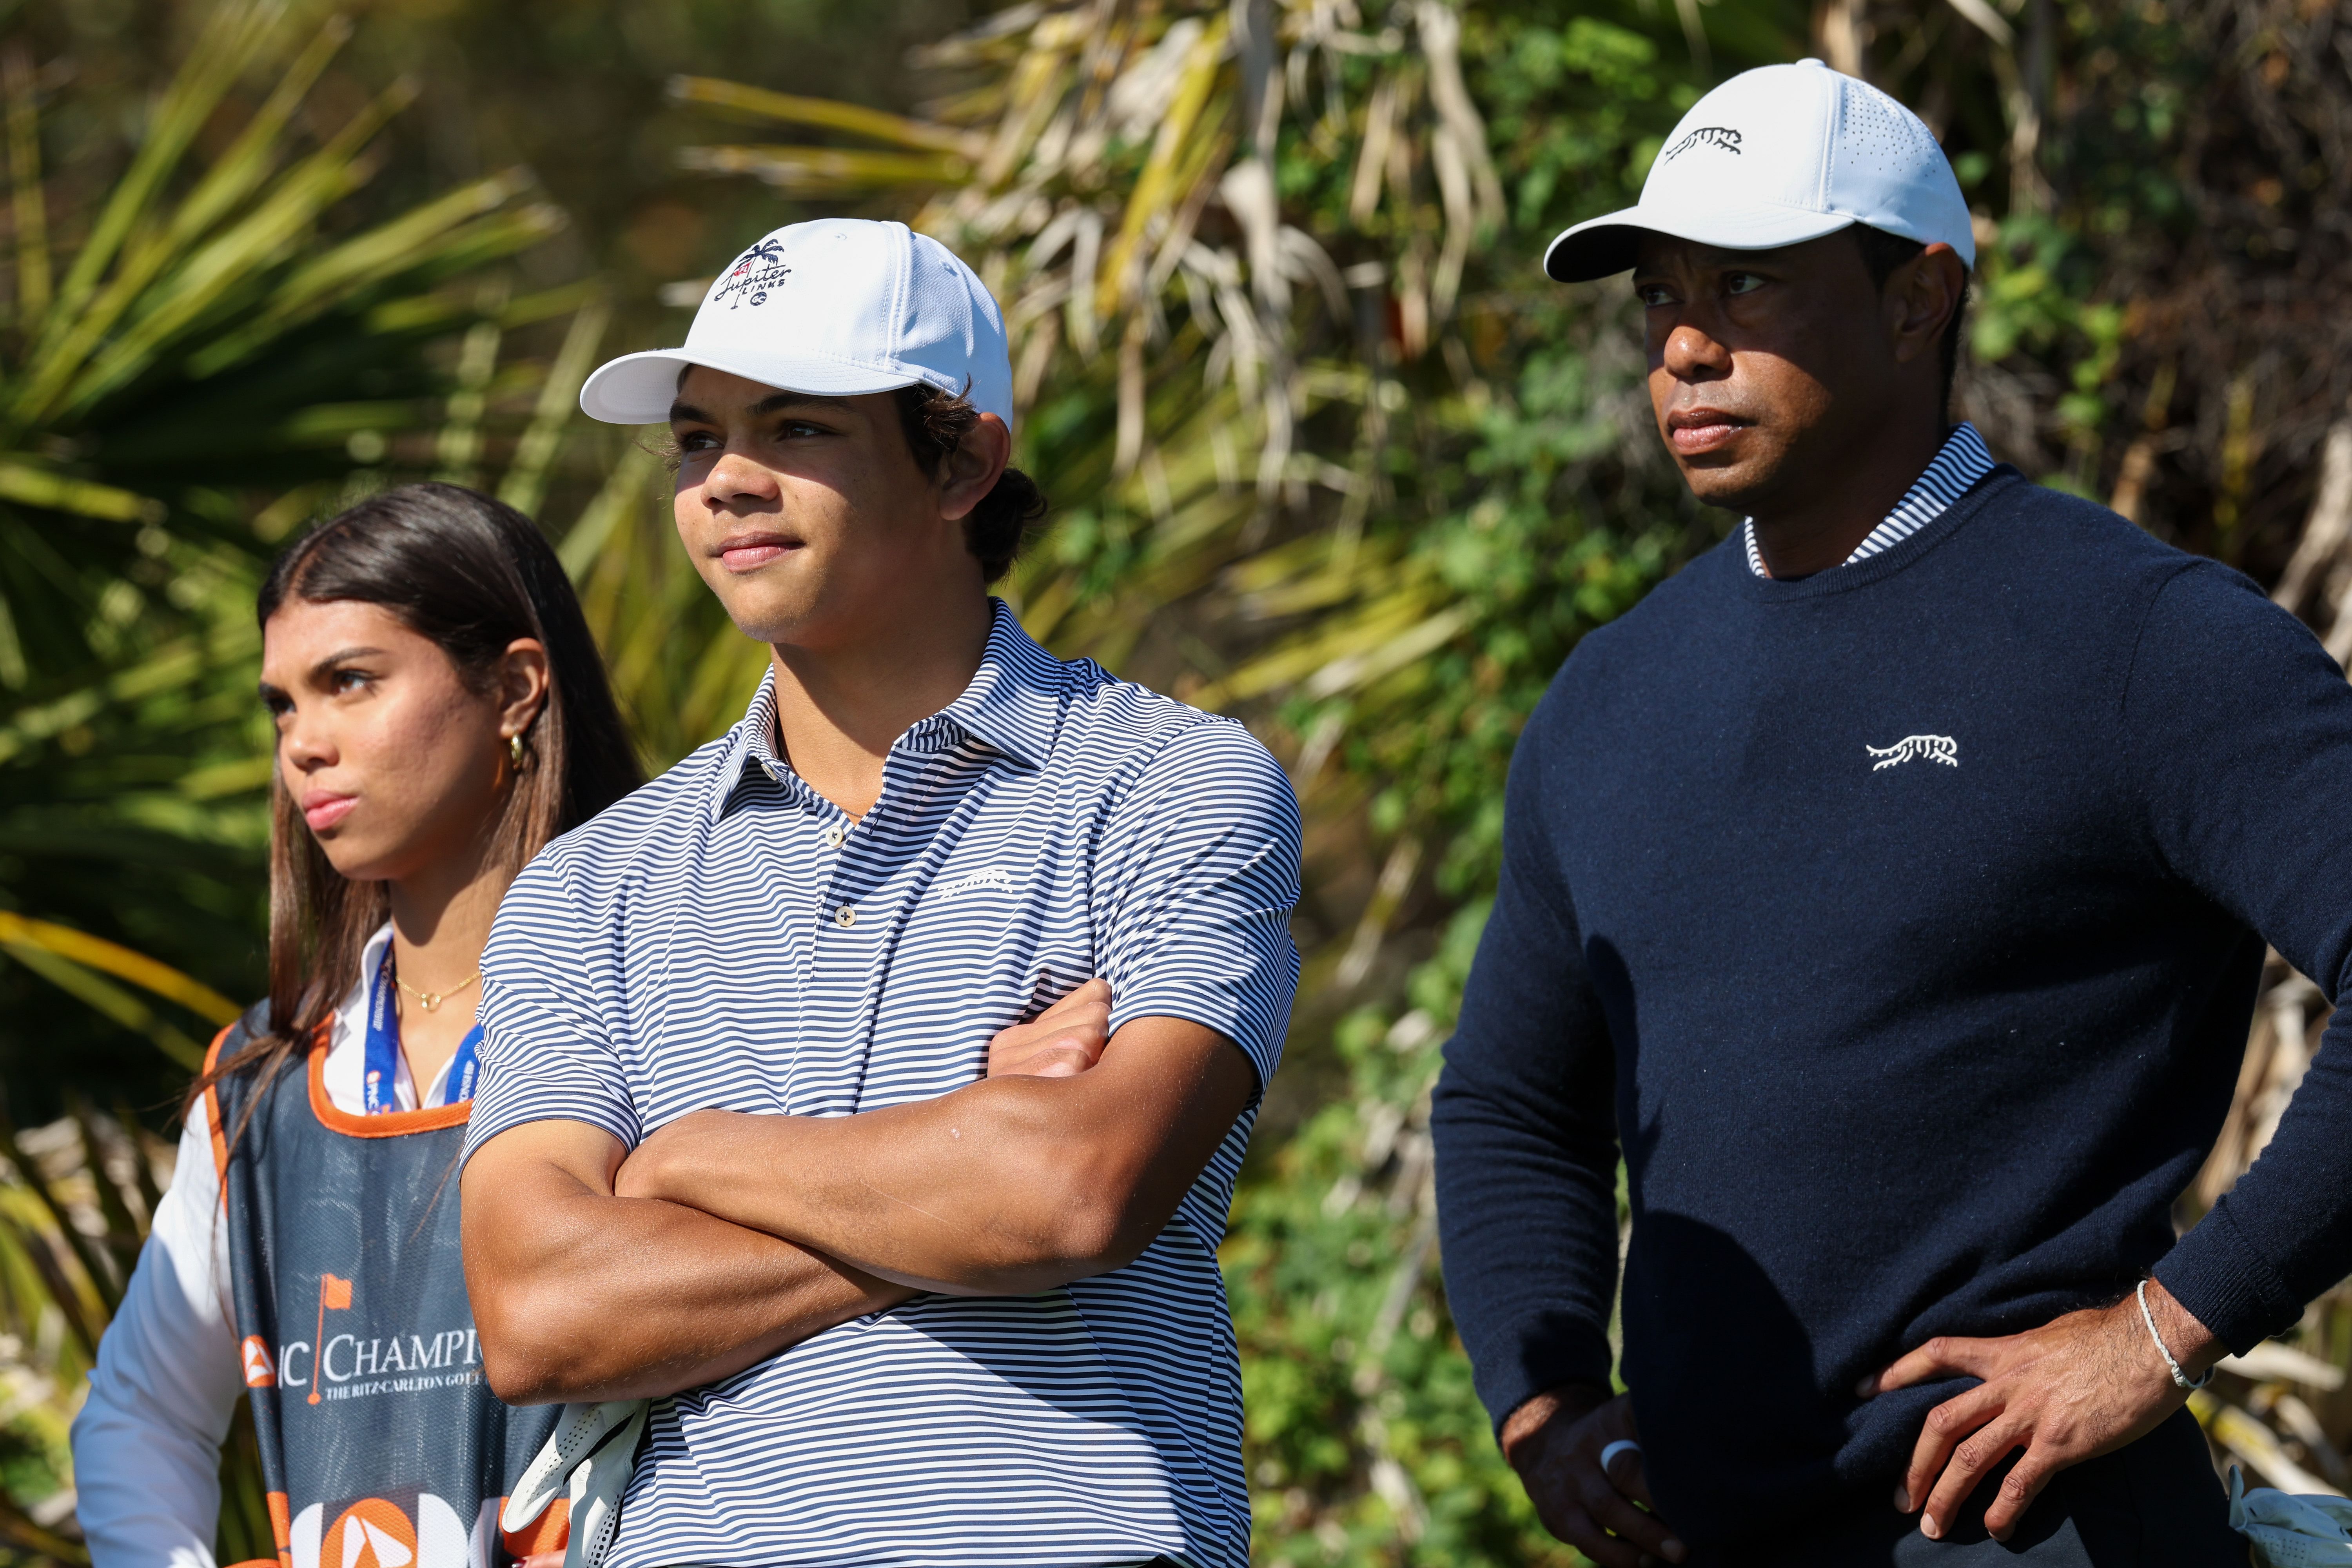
(147, 1442)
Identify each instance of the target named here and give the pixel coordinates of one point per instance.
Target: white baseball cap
(836, 307)
(1777, 156)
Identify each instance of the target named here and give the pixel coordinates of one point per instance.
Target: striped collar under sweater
(1960, 462)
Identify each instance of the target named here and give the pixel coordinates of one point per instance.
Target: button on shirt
(728, 938)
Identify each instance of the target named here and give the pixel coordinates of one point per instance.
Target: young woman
(442, 713)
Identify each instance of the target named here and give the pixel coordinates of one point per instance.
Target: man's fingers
(1081, 1045)
(1087, 1021)
(1612, 1509)
(1057, 1060)
(1066, 1039)
(1094, 994)
(1625, 1473)
(2018, 1490)
(1947, 1428)
(1938, 1358)
(1558, 1454)
(1975, 1458)
(1572, 1524)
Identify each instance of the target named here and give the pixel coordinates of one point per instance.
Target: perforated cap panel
(1777, 156)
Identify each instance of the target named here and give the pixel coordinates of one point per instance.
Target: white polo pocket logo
(995, 877)
(1935, 748)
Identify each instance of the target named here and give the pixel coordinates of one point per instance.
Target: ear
(1920, 297)
(522, 685)
(974, 468)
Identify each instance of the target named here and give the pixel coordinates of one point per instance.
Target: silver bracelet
(2179, 1378)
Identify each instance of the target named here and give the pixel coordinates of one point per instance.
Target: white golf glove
(2291, 1529)
(588, 1458)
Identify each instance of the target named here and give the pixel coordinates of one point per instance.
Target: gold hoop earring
(514, 750)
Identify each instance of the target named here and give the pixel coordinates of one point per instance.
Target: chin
(1733, 486)
(1722, 488)
(806, 611)
(768, 609)
(355, 862)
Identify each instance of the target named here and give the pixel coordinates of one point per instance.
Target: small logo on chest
(1934, 748)
(995, 877)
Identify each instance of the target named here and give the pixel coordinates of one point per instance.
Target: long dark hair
(470, 575)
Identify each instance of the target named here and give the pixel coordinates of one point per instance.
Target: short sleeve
(1196, 872)
(547, 1040)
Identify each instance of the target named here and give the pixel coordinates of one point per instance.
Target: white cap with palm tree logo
(836, 307)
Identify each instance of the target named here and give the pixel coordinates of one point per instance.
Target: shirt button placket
(836, 834)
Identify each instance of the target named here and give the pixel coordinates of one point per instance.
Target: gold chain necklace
(429, 1000)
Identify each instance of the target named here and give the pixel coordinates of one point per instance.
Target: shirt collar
(1958, 464)
(1015, 701)
(1013, 705)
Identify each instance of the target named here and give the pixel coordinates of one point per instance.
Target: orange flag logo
(334, 1296)
(370, 1534)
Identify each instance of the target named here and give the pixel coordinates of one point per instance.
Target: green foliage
(1329, 453)
(196, 349)
(2037, 295)
(1366, 1441)
(201, 344)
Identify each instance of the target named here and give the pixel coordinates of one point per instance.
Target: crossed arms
(599, 1272)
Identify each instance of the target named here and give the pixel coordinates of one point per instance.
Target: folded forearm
(626, 1298)
(984, 1192)
(1003, 1187)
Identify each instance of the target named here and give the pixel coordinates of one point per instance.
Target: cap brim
(1602, 246)
(639, 388)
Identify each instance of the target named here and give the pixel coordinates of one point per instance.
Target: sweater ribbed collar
(1862, 573)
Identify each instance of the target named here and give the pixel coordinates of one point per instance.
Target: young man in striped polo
(1886, 885)
(734, 1148)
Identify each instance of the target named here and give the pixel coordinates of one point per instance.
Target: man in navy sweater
(1891, 885)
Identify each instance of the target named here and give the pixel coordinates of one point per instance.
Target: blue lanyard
(383, 1055)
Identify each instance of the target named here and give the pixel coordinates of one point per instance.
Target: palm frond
(188, 364)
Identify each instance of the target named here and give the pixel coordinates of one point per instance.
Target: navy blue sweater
(1902, 923)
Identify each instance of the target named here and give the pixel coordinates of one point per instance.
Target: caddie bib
(381, 1445)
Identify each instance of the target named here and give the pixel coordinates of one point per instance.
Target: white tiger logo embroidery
(1935, 748)
(995, 877)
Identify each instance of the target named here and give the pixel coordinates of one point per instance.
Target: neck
(1843, 495)
(839, 710)
(440, 923)
(441, 920)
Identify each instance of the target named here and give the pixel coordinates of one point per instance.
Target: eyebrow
(323, 667)
(342, 655)
(684, 412)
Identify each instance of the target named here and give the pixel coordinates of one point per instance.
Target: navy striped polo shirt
(726, 937)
